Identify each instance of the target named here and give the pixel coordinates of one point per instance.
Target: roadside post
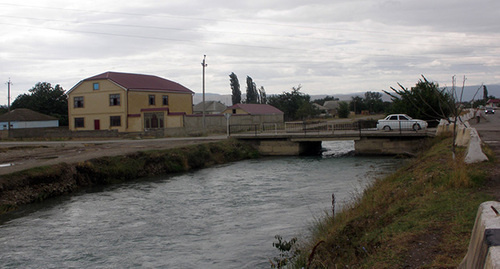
(227, 116)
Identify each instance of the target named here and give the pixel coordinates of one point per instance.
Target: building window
(78, 101)
(234, 111)
(79, 122)
(153, 120)
(114, 99)
(115, 121)
(151, 100)
(165, 100)
(96, 86)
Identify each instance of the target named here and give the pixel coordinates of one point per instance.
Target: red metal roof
(257, 109)
(141, 82)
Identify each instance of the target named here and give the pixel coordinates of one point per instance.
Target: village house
(211, 107)
(493, 103)
(23, 118)
(127, 103)
(255, 113)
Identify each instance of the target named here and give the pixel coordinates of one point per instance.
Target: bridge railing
(302, 127)
(261, 128)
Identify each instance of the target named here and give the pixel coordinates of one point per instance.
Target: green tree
(485, 93)
(3, 109)
(425, 101)
(294, 104)
(252, 94)
(235, 88)
(45, 99)
(373, 102)
(357, 104)
(262, 95)
(343, 109)
(322, 101)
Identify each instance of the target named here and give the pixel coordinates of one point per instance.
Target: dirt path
(17, 156)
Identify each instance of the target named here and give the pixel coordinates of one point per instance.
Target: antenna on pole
(204, 65)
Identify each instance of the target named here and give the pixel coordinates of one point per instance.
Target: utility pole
(204, 65)
(8, 107)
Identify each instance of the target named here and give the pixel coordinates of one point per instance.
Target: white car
(400, 122)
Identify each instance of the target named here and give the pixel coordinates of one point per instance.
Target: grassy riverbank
(419, 217)
(38, 184)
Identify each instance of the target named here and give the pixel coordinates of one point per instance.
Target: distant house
(23, 118)
(332, 107)
(127, 103)
(254, 114)
(323, 111)
(211, 107)
(493, 103)
(253, 109)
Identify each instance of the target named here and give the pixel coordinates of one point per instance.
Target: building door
(97, 125)
(153, 120)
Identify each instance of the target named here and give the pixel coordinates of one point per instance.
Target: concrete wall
(466, 136)
(388, 146)
(484, 246)
(285, 147)
(60, 132)
(218, 123)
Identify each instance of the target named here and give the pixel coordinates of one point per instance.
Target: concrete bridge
(304, 139)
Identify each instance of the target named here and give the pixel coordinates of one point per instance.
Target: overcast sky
(327, 46)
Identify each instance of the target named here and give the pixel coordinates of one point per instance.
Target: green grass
(428, 206)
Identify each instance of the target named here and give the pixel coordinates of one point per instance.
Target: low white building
(23, 118)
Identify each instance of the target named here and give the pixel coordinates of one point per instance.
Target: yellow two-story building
(127, 103)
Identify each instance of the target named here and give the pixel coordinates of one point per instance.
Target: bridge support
(388, 145)
(285, 147)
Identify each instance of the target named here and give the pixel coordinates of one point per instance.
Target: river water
(220, 217)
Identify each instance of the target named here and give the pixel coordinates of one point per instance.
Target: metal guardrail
(319, 127)
(301, 127)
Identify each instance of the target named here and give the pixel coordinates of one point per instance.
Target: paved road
(489, 130)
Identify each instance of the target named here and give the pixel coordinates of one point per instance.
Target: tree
(426, 101)
(235, 88)
(294, 104)
(262, 95)
(485, 93)
(45, 99)
(252, 94)
(322, 101)
(357, 104)
(343, 109)
(374, 103)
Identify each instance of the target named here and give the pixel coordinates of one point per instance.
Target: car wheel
(387, 128)
(416, 127)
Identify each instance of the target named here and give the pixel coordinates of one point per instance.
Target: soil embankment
(40, 183)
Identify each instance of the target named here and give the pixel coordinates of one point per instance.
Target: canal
(221, 217)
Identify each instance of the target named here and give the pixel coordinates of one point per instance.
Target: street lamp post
(203, 117)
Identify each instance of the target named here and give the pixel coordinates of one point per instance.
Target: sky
(327, 47)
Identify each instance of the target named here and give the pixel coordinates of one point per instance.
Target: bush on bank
(419, 217)
(40, 183)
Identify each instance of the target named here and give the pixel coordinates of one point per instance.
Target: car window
(393, 118)
(403, 118)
